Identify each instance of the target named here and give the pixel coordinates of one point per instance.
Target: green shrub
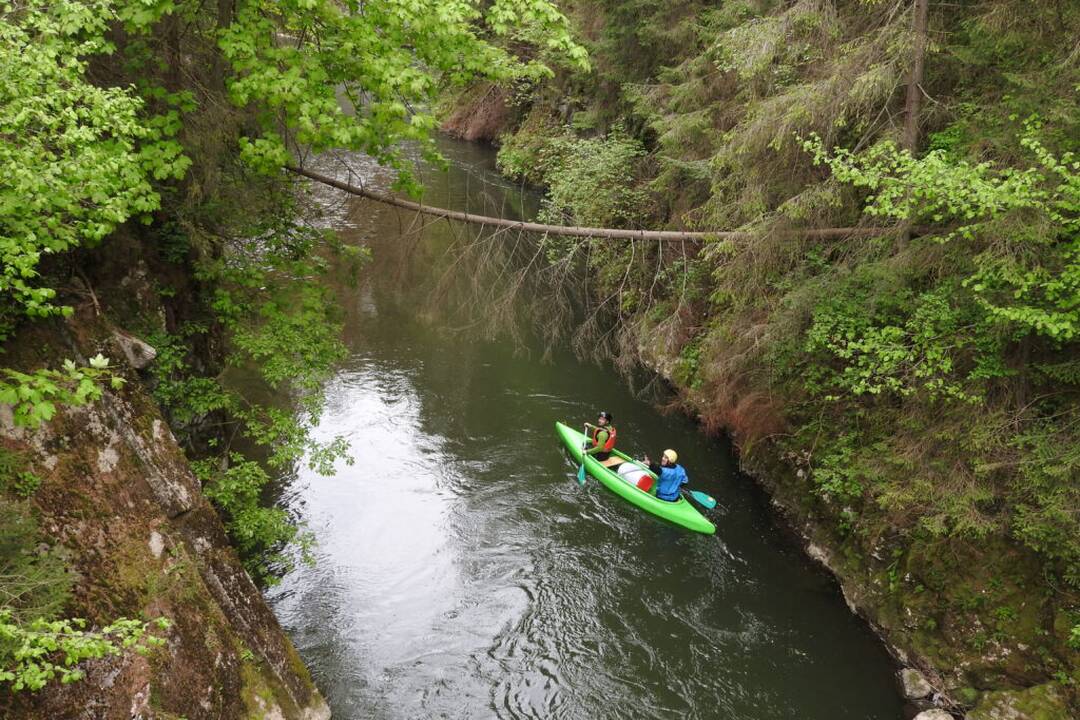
(836, 473)
(34, 579)
(34, 396)
(1074, 637)
(15, 479)
(591, 181)
(883, 336)
(37, 652)
(259, 532)
(1045, 495)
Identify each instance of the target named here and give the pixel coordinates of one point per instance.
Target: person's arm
(654, 468)
(601, 438)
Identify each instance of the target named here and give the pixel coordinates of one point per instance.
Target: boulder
(914, 684)
(933, 714)
(138, 353)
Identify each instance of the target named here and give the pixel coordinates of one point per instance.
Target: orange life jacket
(610, 443)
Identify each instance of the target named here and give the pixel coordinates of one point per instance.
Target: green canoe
(681, 512)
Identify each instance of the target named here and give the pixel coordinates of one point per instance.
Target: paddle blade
(581, 468)
(706, 500)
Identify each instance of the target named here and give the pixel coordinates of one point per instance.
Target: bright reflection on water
(462, 573)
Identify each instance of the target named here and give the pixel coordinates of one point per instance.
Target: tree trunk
(226, 13)
(920, 25)
(226, 10)
(614, 233)
(173, 54)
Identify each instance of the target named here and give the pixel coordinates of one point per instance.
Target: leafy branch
(34, 396)
(31, 655)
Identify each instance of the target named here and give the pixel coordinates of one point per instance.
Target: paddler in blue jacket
(670, 474)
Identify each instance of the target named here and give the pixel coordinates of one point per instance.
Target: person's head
(604, 418)
(669, 458)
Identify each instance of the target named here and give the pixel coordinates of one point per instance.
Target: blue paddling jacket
(670, 479)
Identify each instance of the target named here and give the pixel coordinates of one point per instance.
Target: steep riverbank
(116, 499)
(927, 602)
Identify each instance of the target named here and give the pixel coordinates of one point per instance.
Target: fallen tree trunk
(613, 233)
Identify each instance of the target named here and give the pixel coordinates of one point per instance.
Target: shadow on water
(462, 572)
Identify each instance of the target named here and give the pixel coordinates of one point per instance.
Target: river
(461, 572)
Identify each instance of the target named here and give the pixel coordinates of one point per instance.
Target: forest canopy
(94, 95)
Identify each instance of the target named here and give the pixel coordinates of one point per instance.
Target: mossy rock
(1042, 702)
(967, 695)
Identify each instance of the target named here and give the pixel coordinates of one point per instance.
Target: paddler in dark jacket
(670, 475)
(603, 440)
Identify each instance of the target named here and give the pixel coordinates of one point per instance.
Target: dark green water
(463, 573)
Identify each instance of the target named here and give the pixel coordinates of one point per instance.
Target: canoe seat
(613, 461)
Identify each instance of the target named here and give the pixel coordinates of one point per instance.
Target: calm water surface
(463, 573)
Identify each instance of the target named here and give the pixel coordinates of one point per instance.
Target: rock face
(118, 494)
